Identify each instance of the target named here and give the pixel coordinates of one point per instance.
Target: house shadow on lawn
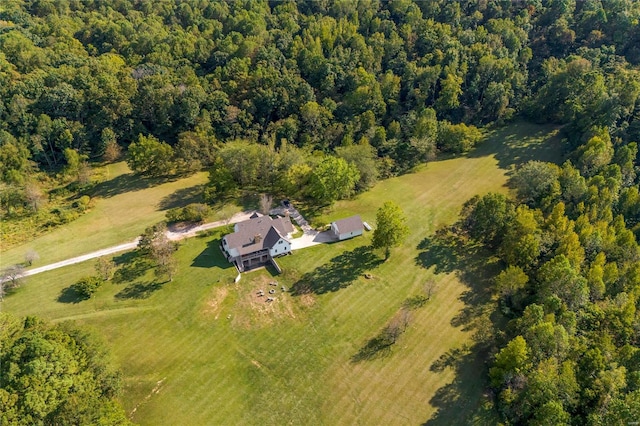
(465, 400)
(339, 273)
(211, 257)
(70, 295)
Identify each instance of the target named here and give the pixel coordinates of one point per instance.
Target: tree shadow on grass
(466, 399)
(139, 290)
(125, 183)
(133, 267)
(378, 347)
(448, 252)
(211, 257)
(70, 295)
(182, 197)
(339, 273)
(520, 142)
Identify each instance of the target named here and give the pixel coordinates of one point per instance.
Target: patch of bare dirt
(214, 302)
(261, 303)
(307, 300)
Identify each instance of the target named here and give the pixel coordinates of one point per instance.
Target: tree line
(173, 82)
(569, 285)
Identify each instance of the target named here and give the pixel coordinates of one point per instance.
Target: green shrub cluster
(88, 285)
(191, 213)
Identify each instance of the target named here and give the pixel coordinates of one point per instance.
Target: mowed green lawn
(200, 350)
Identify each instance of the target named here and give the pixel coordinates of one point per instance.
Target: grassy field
(123, 206)
(200, 350)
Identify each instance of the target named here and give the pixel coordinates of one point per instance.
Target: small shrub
(86, 286)
(82, 203)
(190, 213)
(174, 215)
(67, 216)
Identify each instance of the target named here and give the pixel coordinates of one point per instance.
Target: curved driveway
(309, 238)
(173, 235)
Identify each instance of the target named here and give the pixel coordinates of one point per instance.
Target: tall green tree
(148, 156)
(488, 217)
(391, 228)
(535, 180)
(364, 158)
(332, 179)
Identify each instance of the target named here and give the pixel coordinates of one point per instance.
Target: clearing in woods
(200, 350)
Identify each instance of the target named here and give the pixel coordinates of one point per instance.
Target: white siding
(281, 247)
(349, 235)
(233, 252)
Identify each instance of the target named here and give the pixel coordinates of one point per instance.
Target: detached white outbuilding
(350, 227)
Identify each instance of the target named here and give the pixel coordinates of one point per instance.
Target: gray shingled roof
(270, 231)
(349, 224)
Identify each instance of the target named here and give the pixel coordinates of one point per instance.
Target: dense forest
(319, 99)
(55, 374)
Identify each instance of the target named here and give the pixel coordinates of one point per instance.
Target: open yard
(201, 350)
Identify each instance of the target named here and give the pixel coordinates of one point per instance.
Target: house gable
(257, 237)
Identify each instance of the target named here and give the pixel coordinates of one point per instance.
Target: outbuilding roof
(349, 224)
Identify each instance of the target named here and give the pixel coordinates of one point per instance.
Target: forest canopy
(55, 375)
(399, 76)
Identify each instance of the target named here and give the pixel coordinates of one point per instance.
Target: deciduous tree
(391, 228)
(157, 245)
(332, 179)
(149, 156)
(56, 375)
(31, 256)
(86, 286)
(266, 201)
(12, 276)
(34, 196)
(509, 283)
(362, 156)
(535, 180)
(105, 267)
(488, 218)
(511, 361)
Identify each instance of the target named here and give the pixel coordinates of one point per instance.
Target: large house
(347, 228)
(256, 241)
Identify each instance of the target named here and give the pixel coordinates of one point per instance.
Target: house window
(280, 242)
(276, 250)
